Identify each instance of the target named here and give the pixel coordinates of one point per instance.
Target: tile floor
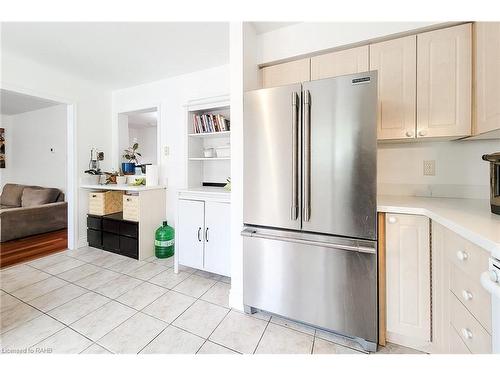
(91, 301)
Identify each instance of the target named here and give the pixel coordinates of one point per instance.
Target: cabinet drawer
(473, 334)
(112, 226)
(131, 207)
(472, 295)
(129, 229)
(94, 238)
(468, 257)
(129, 247)
(94, 222)
(111, 242)
(105, 202)
(457, 346)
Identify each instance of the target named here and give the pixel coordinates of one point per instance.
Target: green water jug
(164, 241)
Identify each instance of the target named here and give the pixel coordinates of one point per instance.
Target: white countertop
(207, 191)
(470, 218)
(122, 187)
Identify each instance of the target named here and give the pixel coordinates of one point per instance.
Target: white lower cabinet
(408, 280)
(203, 239)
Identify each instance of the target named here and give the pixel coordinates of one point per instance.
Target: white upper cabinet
(396, 63)
(287, 73)
(444, 81)
(487, 76)
(354, 60)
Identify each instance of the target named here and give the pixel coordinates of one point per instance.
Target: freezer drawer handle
(295, 156)
(307, 156)
(360, 249)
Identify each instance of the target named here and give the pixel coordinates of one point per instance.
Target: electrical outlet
(429, 167)
(166, 150)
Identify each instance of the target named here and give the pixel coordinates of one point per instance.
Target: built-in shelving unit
(200, 168)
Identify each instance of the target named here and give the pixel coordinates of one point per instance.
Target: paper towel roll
(151, 175)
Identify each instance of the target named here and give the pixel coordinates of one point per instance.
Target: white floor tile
(327, 347)
(65, 341)
(30, 333)
(169, 306)
(281, 340)
(118, 286)
(142, 295)
(18, 277)
(97, 279)
(77, 308)
(338, 339)
(208, 275)
(239, 332)
(127, 265)
(57, 297)
(194, 286)
(169, 279)
(174, 341)
(17, 315)
(218, 294)
(201, 318)
(147, 271)
(212, 348)
(165, 262)
(78, 273)
(96, 349)
(60, 267)
(39, 289)
(47, 261)
(7, 301)
(391, 348)
(98, 323)
(132, 335)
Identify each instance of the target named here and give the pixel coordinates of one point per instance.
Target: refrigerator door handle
(307, 156)
(295, 155)
(332, 245)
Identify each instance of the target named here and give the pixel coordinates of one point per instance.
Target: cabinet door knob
(466, 295)
(466, 333)
(409, 134)
(462, 255)
(422, 133)
(392, 220)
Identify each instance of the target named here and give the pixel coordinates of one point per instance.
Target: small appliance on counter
(494, 160)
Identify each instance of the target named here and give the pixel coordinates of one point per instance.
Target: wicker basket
(105, 202)
(131, 207)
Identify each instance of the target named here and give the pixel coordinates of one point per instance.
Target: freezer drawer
(314, 280)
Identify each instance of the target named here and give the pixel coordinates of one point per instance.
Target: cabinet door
(354, 60)
(287, 73)
(190, 229)
(396, 63)
(487, 76)
(444, 81)
(217, 238)
(408, 280)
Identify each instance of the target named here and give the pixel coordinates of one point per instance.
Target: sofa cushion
(11, 195)
(37, 196)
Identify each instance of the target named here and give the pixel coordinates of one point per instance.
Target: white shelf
(210, 134)
(123, 187)
(201, 159)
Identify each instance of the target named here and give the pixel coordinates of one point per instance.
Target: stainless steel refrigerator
(309, 245)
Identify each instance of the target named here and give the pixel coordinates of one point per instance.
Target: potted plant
(121, 179)
(130, 155)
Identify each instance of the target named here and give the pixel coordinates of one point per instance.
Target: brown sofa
(29, 210)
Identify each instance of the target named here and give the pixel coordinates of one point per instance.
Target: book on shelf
(210, 123)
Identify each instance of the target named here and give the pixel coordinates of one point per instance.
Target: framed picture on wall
(2, 148)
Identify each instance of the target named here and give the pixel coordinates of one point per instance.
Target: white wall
(171, 95)
(309, 37)
(460, 171)
(31, 137)
(146, 137)
(92, 105)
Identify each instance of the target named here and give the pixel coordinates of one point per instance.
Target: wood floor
(29, 248)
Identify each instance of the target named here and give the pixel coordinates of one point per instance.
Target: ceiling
(264, 27)
(120, 54)
(13, 103)
(142, 119)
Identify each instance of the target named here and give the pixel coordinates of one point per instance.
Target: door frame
(71, 152)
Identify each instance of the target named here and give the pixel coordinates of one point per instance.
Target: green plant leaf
(135, 146)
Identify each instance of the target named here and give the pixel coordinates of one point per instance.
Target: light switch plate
(429, 167)
(166, 150)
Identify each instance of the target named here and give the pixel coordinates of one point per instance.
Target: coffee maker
(494, 160)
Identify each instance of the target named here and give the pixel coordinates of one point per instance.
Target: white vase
(121, 180)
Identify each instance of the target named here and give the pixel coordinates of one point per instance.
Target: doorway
(36, 180)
